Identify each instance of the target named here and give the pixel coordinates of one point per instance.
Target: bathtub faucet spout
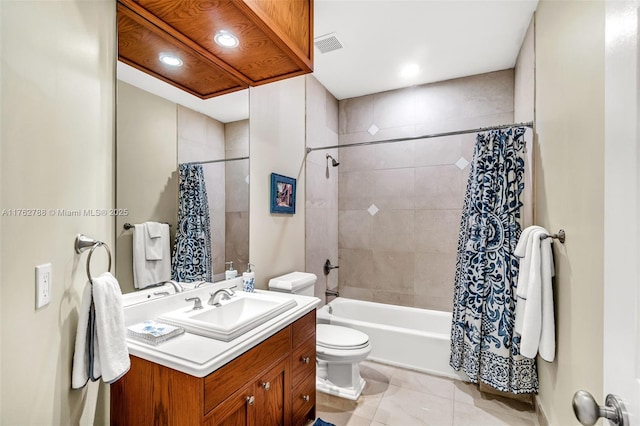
(333, 293)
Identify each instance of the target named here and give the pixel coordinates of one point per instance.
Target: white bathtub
(417, 339)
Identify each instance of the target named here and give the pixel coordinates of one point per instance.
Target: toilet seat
(340, 338)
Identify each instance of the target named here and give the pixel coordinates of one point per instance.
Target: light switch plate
(43, 285)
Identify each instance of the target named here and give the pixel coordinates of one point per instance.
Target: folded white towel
(154, 240)
(534, 308)
(150, 272)
(101, 340)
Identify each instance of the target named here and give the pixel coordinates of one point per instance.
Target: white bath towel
(155, 239)
(534, 320)
(149, 272)
(101, 340)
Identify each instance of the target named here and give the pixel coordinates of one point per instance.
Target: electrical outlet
(43, 285)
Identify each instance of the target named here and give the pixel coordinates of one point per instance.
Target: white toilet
(339, 349)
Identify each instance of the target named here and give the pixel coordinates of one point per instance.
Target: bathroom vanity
(265, 377)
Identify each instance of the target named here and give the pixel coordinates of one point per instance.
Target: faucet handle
(197, 302)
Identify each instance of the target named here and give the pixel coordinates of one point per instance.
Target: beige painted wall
(523, 111)
(277, 135)
(569, 185)
(146, 177)
(57, 153)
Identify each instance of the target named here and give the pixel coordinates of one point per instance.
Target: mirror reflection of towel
(149, 272)
(156, 237)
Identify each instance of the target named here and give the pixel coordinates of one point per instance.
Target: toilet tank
(295, 282)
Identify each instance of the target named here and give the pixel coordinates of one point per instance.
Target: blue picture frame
(283, 194)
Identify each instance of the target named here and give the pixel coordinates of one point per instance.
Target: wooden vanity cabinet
(272, 383)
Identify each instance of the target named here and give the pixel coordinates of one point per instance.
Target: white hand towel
(101, 346)
(154, 240)
(149, 272)
(111, 356)
(81, 355)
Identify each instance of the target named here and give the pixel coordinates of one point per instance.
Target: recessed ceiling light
(226, 39)
(171, 60)
(410, 70)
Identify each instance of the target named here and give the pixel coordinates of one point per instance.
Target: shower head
(334, 163)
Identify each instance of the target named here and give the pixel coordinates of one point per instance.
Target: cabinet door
(237, 410)
(272, 391)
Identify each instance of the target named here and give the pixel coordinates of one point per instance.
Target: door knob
(588, 411)
(266, 385)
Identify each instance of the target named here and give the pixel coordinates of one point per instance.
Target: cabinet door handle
(306, 398)
(305, 360)
(251, 399)
(266, 385)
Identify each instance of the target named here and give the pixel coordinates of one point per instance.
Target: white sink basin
(243, 312)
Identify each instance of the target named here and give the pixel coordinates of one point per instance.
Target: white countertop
(200, 356)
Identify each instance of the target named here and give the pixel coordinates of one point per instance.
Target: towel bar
(83, 243)
(128, 226)
(560, 236)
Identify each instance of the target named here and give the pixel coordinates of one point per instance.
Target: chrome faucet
(224, 293)
(177, 287)
(197, 302)
(161, 293)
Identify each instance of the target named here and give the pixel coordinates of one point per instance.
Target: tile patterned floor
(398, 397)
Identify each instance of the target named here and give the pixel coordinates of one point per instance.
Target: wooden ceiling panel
(140, 45)
(294, 18)
(257, 58)
(275, 41)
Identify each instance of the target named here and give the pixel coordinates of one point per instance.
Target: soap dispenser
(249, 279)
(230, 273)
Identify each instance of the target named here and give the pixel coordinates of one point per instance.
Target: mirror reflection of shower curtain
(482, 339)
(192, 248)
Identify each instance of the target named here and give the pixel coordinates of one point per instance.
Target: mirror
(160, 127)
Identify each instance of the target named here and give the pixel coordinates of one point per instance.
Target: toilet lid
(338, 337)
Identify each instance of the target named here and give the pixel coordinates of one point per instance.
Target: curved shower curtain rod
(433, 135)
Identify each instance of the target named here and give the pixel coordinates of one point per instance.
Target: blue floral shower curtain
(482, 339)
(192, 248)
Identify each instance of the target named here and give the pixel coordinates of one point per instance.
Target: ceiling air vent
(327, 43)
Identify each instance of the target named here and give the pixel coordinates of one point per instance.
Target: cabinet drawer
(304, 359)
(304, 400)
(226, 380)
(304, 327)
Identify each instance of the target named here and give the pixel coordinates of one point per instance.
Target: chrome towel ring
(83, 243)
